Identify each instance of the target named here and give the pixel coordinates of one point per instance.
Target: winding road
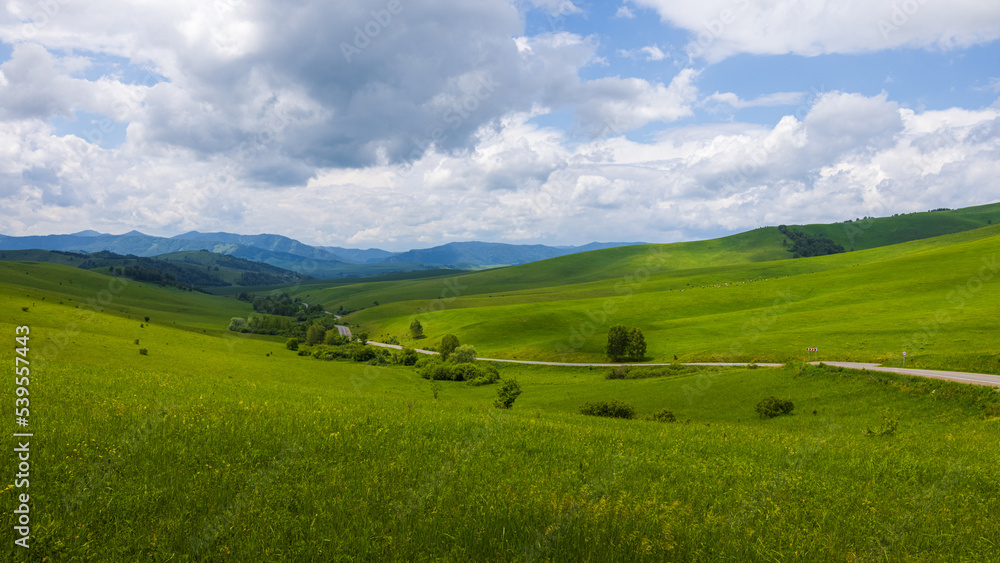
(961, 377)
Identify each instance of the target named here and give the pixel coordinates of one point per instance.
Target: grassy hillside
(83, 293)
(220, 448)
(884, 231)
(934, 298)
(758, 245)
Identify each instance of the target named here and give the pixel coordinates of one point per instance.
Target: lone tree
(416, 329)
(617, 347)
(636, 344)
(449, 343)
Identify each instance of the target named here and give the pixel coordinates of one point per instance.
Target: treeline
(805, 245)
(150, 270)
(151, 275)
(281, 304)
(283, 316)
(261, 278)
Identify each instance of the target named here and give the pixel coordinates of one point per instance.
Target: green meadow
(734, 299)
(218, 447)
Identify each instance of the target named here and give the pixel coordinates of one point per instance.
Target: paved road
(973, 378)
(962, 377)
(605, 365)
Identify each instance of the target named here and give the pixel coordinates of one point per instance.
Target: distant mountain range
(290, 254)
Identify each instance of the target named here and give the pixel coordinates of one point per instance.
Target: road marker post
(904, 358)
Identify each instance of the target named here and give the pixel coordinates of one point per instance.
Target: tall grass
(206, 452)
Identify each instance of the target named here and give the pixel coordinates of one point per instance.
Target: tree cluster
(805, 245)
(626, 344)
(280, 304)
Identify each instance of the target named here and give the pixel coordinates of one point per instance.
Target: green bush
(292, 344)
(463, 354)
(483, 374)
(334, 338)
(662, 415)
(620, 372)
(770, 407)
(236, 324)
(144, 351)
(610, 409)
(364, 353)
(407, 357)
(507, 393)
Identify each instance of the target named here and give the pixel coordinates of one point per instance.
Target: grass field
(935, 298)
(220, 448)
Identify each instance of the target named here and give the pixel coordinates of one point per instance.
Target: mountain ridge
(288, 253)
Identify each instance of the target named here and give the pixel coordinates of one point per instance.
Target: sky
(405, 124)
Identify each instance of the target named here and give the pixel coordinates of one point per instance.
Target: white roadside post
(904, 358)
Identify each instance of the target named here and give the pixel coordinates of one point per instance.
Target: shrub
(610, 409)
(364, 353)
(473, 372)
(407, 357)
(236, 324)
(143, 351)
(620, 372)
(507, 393)
(662, 415)
(292, 344)
(770, 407)
(333, 337)
(464, 355)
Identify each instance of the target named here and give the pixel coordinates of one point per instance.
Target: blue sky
(397, 125)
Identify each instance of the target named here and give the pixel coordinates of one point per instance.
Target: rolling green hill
(729, 299)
